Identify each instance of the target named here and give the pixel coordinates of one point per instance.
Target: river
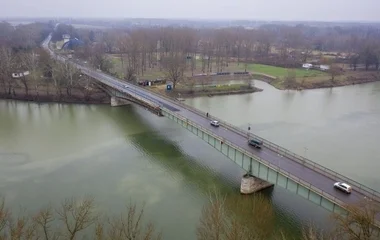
(49, 152)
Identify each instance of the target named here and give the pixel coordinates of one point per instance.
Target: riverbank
(352, 78)
(186, 92)
(46, 94)
(276, 76)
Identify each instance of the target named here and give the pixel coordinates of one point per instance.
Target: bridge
(272, 163)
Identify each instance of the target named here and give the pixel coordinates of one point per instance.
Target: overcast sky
(319, 10)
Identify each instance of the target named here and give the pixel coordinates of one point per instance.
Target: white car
(126, 86)
(214, 123)
(343, 187)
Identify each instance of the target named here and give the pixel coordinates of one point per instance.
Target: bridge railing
(266, 163)
(287, 153)
(278, 149)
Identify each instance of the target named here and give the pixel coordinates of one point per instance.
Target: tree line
(176, 50)
(279, 45)
(26, 66)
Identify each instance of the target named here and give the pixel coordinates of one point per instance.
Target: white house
(21, 74)
(324, 67)
(307, 65)
(66, 38)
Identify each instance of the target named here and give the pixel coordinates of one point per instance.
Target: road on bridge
(315, 178)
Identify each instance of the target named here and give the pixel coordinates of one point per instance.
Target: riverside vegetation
(40, 78)
(274, 53)
(233, 218)
(224, 217)
(179, 55)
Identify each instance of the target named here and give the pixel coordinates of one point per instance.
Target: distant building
(21, 74)
(72, 43)
(307, 65)
(66, 38)
(324, 67)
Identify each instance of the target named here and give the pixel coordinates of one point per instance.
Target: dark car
(255, 142)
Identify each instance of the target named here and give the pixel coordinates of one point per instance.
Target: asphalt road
(316, 179)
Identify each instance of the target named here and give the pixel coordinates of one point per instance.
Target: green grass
(150, 74)
(219, 88)
(278, 72)
(282, 72)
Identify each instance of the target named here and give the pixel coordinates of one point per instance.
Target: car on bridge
(215, 123)
(255, 142)
(343, 187)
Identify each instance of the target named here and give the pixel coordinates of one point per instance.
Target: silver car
(343, 187)
(214, 123)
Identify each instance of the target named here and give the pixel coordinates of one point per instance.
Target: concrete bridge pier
(115, 101)
(251, 184)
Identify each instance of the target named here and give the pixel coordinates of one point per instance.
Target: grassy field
(266, 69)
(304, 78)
(280, 72)
(185, 91)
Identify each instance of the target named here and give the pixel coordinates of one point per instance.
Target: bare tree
(237, 218)
(359, 224)
(45, 65)
(30, 61)
(69, 73)
(43, 221)
(334, 71)
(20, 67)
(191, 83)
(58, 77)
(73, 220)
(99, 59)
(174, 67)
(290, 79)
(130, 75)
(311, 233)
(77, 216)
(212, 225)
(6, 68)
(127, 226)
(86, 87)
(110, 40)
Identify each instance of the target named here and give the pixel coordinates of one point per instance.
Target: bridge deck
(316, 177)
(305, 173)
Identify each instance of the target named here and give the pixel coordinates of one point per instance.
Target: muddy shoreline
(318, 85)
(98, 96)
(76, 97)
(212, 93)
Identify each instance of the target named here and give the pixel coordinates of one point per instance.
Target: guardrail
(304, 161)
(266, 163)
(369, 192)
(276, 148)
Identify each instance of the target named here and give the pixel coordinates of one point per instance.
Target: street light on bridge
(305, 150)
(249, 130)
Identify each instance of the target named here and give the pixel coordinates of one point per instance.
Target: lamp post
(305, 150)
(249, 130)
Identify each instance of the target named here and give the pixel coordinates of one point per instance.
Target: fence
(371, 193)
(264, 162)
(268, 164)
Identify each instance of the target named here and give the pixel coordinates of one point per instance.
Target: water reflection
(115, 154)
(323, 120)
